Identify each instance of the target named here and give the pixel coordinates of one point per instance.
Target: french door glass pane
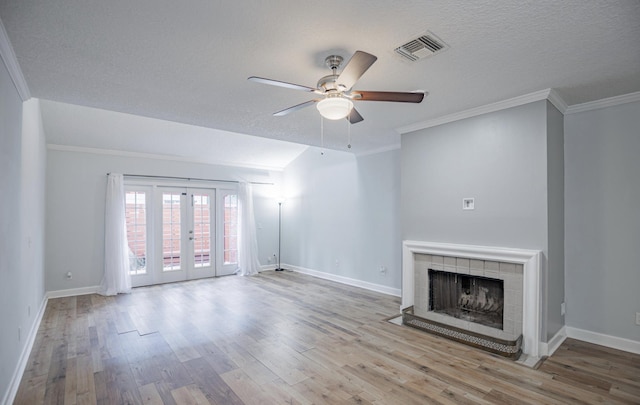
(136, 218)
(171, 217)
(201, 230)
(230, 234)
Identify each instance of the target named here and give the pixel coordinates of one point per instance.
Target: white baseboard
(627, 345)
(72, 292)
(268, 267)
(346, 280)
(547, 349)
(10, 396)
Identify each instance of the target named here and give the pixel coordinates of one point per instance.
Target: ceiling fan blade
(402, 97)
(295, 108)
(354, 116)
(355, 68)
(280, 84)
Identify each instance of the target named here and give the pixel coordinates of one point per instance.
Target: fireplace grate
(470, 298)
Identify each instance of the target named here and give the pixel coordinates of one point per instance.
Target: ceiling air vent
(421, 47)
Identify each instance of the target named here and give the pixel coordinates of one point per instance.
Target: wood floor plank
(245, 388)
(57, 373)
(210, 383)
(184, 396)
(285, 393)
(85, 384)
(31, 390)
(150, 395)
(292, 339)
(165, 393)
(70, 389)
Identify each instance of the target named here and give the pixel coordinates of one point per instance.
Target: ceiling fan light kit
(334, 107)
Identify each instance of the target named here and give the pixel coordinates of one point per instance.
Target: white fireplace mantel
(530, 260)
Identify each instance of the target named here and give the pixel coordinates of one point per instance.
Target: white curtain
(248, 263)
(116, 249)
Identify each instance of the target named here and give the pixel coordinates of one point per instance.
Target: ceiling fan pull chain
(349, 130)
(321, 135)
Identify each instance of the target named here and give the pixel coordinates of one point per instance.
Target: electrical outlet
(383, 269)
(337, 263)
(637, 318)
(563, 309)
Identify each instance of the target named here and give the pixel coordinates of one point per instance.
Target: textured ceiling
(188, 61)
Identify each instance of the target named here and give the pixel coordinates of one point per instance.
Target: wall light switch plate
(468, 203)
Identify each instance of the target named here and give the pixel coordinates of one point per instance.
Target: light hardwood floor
(288, 338)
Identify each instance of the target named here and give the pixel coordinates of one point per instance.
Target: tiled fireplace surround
(518, 268)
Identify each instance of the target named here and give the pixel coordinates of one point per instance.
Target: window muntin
(171, 232)
(136, 220)
(230, 232)
(201, 230)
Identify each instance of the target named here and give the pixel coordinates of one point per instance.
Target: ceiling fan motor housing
(329, 83)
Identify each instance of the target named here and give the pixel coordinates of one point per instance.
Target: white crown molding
(113, 152)
(11, 62)
(548, 94)
(555, 99)
(11, 393)
(489, 108)
(605, 102)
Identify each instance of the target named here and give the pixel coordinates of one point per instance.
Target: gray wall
(602, 169)
(22, 162)
(265, 208)
(341, 215)
(501, 160)
(76, 183)
(554, 292)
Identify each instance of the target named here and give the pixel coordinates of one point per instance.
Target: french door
(180, 233)
(186, 234)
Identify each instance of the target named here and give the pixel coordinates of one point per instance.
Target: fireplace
(484, 296)
(471, 298)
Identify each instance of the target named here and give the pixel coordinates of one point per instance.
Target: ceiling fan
(337, 96)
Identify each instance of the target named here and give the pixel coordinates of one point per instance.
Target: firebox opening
(471, 298)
